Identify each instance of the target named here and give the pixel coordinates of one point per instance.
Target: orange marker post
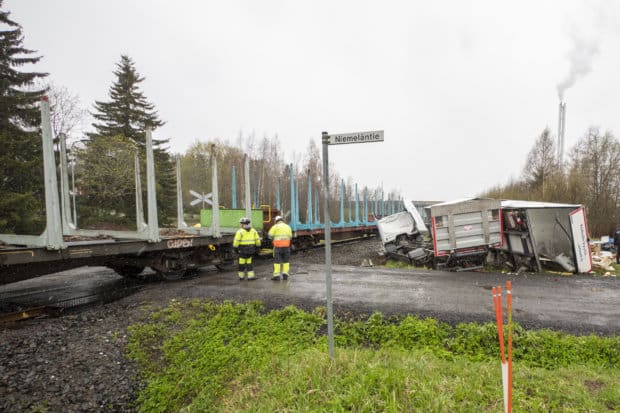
(509, 311)
(497, 301)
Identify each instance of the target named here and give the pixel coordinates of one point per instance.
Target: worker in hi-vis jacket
(281, 235)
(245, 244)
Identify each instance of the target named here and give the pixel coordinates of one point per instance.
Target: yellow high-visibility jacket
(281, 235)
(247, 240)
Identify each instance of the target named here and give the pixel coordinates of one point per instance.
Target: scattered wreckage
(468, 234)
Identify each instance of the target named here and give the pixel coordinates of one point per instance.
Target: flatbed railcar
(171, 257)
(170, 252)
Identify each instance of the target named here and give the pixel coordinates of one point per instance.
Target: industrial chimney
(561, 120)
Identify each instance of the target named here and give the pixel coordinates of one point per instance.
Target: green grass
(400, 264)
(199, 356)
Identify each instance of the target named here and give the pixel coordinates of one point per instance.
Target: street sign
(337, 139)
(204, 198)
(356, 137)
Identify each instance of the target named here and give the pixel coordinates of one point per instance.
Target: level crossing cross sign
(204, 198)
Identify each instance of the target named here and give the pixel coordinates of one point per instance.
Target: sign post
(338, 139)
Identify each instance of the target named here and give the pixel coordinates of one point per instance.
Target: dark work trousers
(281, 256)
(245, 266)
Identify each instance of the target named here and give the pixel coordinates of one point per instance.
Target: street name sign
(336, 139)
(356, 137)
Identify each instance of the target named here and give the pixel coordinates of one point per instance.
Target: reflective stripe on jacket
(281, 235)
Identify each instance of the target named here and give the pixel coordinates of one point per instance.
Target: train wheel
(171, 267)
(226, 260)
(226, 265)
(128, 271)
(171, 275)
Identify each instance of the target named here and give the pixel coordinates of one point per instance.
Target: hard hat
(278, 218)
(244, 220)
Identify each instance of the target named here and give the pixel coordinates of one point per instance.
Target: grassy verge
(198, 356)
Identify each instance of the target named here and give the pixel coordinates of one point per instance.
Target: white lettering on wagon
(180, 243)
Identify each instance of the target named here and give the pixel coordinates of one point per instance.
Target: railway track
(54, 300)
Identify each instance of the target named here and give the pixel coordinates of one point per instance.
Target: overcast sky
(462, 89)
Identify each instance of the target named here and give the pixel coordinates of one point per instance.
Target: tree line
(102, 161)
(590, 176)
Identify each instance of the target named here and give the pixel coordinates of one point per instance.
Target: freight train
(170, 252)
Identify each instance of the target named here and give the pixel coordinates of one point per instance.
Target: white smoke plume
(580, 56)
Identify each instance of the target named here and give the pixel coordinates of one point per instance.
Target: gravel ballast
(76, 362)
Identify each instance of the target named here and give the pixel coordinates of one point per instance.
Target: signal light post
(336, 139)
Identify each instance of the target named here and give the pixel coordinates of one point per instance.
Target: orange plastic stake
(497, 301)
(509, 311)
(500, 324)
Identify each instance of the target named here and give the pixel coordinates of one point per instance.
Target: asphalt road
(576, 304)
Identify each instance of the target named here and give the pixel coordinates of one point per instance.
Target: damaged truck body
(467, 234)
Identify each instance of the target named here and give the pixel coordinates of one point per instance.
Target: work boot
(275, 278)
(252, 278)
(241, 278)
(285, 276)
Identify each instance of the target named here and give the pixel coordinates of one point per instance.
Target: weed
(200, 356)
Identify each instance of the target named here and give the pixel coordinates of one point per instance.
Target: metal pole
(151, 195)
(180, 215)
(73, 160)
(357, 207)
(328, 247)
(248, 199)
(234, 187)
(73, 190)
(53, 229)
(215, 200)
(140, 224)
(342, 202)
(65, 200)
(278, 196)
(309, 203)
(292, 193)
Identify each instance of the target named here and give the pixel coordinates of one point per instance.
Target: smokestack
(561, 123)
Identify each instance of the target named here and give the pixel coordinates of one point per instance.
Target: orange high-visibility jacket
(281, 235)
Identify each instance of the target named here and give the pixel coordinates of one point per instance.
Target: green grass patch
(400, 265)
(199, 356)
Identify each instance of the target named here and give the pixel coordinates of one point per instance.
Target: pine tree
(129, 114)
(21, 165)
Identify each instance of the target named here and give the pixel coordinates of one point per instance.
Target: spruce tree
(21, 165)
(128, 113)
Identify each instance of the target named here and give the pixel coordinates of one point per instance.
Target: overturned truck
(543, 236)
(455, 235)
(470, 233)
